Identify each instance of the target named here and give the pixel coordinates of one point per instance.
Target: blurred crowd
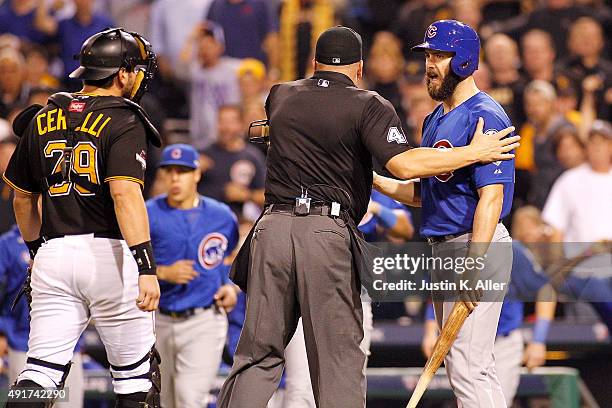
(546, 62)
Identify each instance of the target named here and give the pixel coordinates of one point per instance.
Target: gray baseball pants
(470, 363)
(300, 266)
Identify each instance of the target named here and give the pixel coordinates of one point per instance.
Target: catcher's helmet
(457, 37)
(105, 53)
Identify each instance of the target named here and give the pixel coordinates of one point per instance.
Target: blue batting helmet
(456, 37)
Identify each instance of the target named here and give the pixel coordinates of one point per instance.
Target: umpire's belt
(315, 209)
(444, 238)
(183, 314)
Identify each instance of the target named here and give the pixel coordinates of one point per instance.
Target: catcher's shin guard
(21, 403)
(30, 384)
(149, 399)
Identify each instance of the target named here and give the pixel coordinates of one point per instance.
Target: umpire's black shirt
(323, 133)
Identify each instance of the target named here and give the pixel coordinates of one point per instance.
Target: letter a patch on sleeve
(396, 135)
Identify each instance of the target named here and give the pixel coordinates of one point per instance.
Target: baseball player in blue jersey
(15, 324)
(540, 272)
(464, 206)
(385, 217)
(192, 235)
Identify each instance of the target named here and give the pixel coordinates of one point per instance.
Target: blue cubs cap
(180, 155)
(456, 37)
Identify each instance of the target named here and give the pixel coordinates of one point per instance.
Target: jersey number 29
(84, 163)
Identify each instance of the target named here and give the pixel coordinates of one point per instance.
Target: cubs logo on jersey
(444, 144)
(212, 250)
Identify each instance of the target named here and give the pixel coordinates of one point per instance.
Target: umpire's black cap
(339, 46)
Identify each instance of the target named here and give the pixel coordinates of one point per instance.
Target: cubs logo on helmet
(443, 144)
(211, 251)
(432, 31)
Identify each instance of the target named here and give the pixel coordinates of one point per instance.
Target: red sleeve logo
(443, 144)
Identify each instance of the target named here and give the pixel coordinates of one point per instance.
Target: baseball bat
(448, 335)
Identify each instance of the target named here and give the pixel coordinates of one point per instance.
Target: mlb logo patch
(336, 60)
(76, 106)
(323, 82)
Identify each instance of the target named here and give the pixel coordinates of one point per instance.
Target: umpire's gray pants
(300, 266)
(470, 363)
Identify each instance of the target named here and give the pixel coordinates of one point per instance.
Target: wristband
(540, 330)
(387, 217)
(33, 246)
(143, 255)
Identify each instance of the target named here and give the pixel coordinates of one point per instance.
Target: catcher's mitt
(26, 289)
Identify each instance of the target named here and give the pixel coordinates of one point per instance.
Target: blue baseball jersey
(206, 234)
(527, 275)
(449, 200)
(369, 224)
(14, 260)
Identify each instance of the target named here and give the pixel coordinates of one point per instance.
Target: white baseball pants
(77, 278)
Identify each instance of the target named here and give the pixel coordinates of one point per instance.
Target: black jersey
(109, 143)
(323, 134)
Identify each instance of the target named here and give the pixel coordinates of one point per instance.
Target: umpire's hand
(494, 145)
(148, 296)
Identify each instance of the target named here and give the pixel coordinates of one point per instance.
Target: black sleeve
(127, 155)
(381, 130)
(269, 99)
(19, 173)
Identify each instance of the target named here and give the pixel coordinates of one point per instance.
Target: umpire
(302, 256)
